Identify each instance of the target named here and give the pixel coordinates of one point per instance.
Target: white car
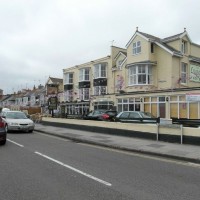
(17, 121)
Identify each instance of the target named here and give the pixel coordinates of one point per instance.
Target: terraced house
(161, 76)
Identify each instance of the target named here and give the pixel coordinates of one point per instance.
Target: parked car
(17, 121)
(106, 115)
(3, 133)
(94, 114)
(135, 116)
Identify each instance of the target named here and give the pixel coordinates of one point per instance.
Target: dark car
(3, 133)
(108, 115)
(105, 115)
(94, 115)
(136, 116)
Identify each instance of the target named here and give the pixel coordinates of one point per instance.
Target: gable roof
(176, 37)
(120, 53)
(160, 42)
(52, 80)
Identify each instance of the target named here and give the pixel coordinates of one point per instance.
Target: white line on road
(74, 169)
(16, 143)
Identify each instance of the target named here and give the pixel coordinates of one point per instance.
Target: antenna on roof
(112, 42)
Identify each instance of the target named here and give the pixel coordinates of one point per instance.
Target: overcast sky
(39, 38)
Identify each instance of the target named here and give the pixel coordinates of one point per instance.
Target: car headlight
(31, 123)
(14, 124)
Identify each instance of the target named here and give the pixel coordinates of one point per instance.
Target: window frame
(184, 73)
(184, 46)
(84, 94)
(68, 79)
(68, 95)
(84, 74)
(137, 73)
(100, 90)
(100, 70)
(137, 48)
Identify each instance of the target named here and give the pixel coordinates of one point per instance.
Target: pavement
(183, 152)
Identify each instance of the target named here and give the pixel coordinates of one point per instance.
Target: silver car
(17, 121)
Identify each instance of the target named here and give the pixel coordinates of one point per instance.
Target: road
(40, 167)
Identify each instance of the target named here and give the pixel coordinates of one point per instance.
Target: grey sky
(38, 38)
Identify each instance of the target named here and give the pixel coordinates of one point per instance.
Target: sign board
(195, 73)
(52, 103)
(52, 90)
(193, 97)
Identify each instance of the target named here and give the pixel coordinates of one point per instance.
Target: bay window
(68, 95)
(84, 94)
(84, 74)
(140, 75)
(100, 90)
(68, 78)
(100, 70)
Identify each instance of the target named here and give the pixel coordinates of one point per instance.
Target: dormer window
(136, 48)
(184, 47)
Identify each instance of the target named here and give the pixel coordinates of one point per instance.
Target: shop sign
(195, 73)
(52, 103)
(193, 97)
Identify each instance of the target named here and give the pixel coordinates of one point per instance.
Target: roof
(194, 59)
(120, 53)
(56, 80)
(161, 42)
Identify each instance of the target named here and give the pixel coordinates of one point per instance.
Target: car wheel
(3, 142)
(6, 128)
(30, 131)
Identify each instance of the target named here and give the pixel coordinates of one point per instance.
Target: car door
(134, 117)
(124, 117)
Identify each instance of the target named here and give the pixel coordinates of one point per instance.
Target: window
(84, 94)
(68, 95)
(183, 73)
(152, 48)
(136, 47)
(119, 64)
(184, 47)
(100, 90)
(100, 70)
(84, 74)
(68, 78)
(140, 75)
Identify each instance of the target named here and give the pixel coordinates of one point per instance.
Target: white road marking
(16, 143)
(74, 169)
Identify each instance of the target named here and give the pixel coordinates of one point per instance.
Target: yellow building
(161, 76)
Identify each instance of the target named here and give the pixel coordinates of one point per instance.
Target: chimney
(137, 29)
(184, 29)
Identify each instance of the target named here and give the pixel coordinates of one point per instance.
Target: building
(161, 76)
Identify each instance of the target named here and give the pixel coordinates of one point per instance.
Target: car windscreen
(15, 115)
